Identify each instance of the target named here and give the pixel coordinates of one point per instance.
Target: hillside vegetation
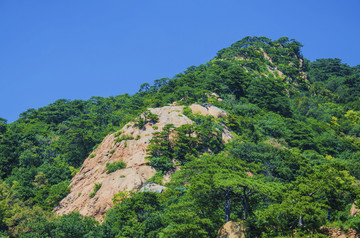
(292, 167)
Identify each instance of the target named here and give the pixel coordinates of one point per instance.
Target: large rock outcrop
(232, 229)
(339, 233)
(133, 153)
(354, 211)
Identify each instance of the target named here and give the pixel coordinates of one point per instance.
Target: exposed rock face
(133, 153)
(232, 229)
(338, 233)
(354, 211)
(153, 187)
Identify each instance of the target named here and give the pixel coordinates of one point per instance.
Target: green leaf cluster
(97, 186)
(112, 167)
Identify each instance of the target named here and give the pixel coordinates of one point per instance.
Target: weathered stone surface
(208, 109)
(153, 187)
(338, 233)
(354, 211)
(232, 229)
(133, 153)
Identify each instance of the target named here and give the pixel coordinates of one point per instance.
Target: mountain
(290, 167)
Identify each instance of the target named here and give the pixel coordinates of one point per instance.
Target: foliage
(146, 117)
(157, 178)
(311, 200)
(123, 137)
(292, 166)
(184, 143)
(112, 167)
(97, 186)
(71, 225)
(135, 216)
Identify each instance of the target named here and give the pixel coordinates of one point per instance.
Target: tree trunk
(301, 221)
(246, 204)
(330, 203)
(227, 204)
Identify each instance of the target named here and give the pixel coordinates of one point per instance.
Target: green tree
(3, 123)
(22, 222)
(161, 149)
(144, 87)
(136, 216)
(74, 225)
(184, 221)
(225, 177)
(78, 140)
(311, 200)
(269, 93)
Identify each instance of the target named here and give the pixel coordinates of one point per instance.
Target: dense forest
(292, 167)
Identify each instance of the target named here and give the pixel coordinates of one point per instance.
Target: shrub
(92, 156)
(117, 134)
(97, 186)
(162, 163)
(124, 137)
(153, 117)
(146, 117)
(157, 178)
(140, 123)
(112, 167)
(121, 196)
(56, 193)
(112, 151)
(188, 112)
(95, 147)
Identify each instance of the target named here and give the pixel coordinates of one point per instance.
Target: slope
(133, 152)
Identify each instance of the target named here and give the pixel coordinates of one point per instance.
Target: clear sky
(77, 49)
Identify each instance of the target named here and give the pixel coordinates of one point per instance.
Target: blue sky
(77, 49)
